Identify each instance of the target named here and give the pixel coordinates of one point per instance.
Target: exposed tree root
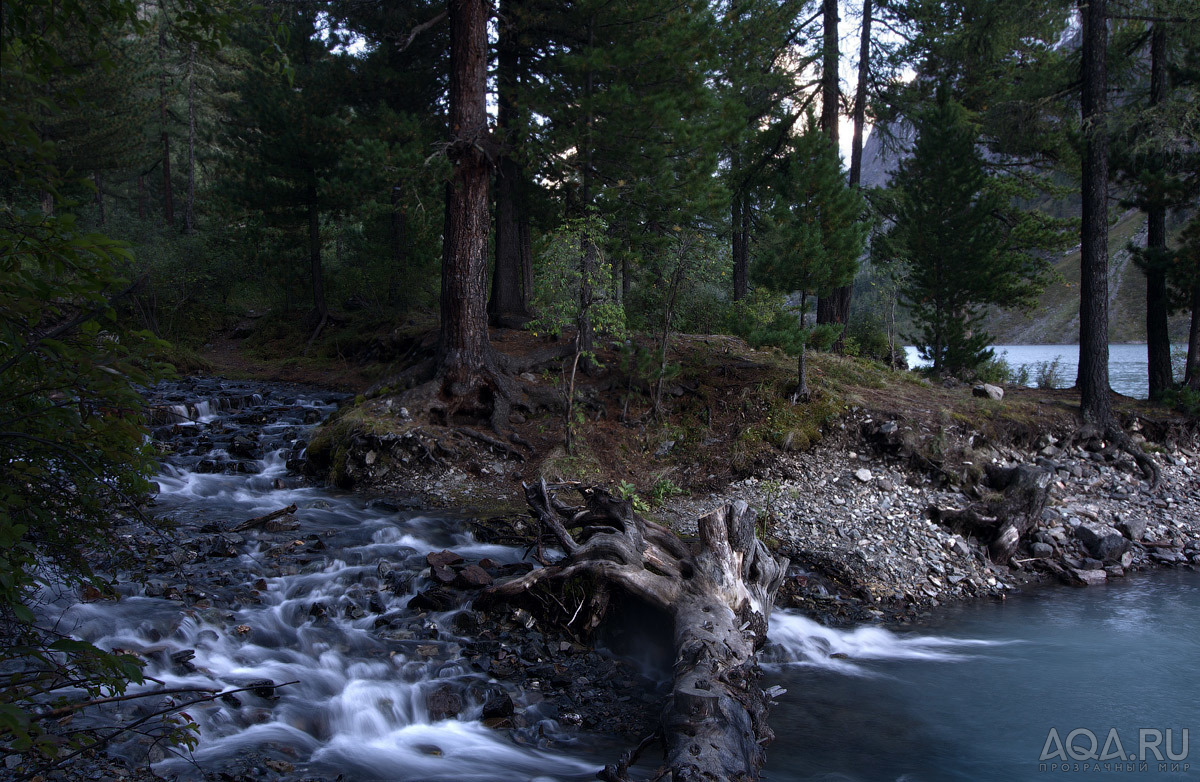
(718, 595)
(1118, 439)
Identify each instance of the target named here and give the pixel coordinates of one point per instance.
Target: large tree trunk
(833, 306)
(1158, 336)
(168, 195)
(509, 303)
(1095, 404)
(189, 207)
(1192, 373)
(314, 248)
(741, 244)
(718, 597)
(463, 347)
(399, 240)
(860, 96)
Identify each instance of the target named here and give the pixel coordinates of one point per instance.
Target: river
(971, 696)
(1126, 364)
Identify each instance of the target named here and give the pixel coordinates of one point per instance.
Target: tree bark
(168, 194)
(189, 215)
(1192, 373)
(1158, 336)
(741, 245)
(832, 306)
(1006, 517)
(314, 248)
(860, 96)
(508, 306)
(719, 598)
(398, 235)
(587, 250)
(101, 216)
(463, 346)
(1095, 403)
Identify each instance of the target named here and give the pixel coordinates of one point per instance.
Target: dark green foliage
(961, 255)
(813, 223)
(71, 420)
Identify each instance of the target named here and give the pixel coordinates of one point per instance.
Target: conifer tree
(813, 232)
(947, 228)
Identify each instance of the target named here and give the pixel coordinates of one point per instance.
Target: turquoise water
(1126, 364)
(975, 695)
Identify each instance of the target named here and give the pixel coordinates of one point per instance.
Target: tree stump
(718, 594)
(1003, 519)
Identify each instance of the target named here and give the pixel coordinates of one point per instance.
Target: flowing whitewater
(337, 673)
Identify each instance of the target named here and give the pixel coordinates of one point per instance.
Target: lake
(1126, 364)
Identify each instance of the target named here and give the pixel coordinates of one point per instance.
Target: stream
(341, 678)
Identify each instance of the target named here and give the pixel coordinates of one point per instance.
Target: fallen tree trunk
(718, 594)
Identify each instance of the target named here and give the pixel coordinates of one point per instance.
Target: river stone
(863, 474)
(1091, 577)
(1132, 528)
(1102, 541)
(433, 599)
(443, 703)
(473, 577)
(444, 558)
(1041, 550)
(989, 391)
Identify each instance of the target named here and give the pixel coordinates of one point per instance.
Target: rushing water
(972, 698)
(1126, 364)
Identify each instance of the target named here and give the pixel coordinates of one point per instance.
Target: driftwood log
(718, 593)
(1014, 504)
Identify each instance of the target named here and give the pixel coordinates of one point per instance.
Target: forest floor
(844, 483)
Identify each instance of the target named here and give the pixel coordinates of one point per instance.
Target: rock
(1090, 577)
(443, 703)
(443, 575)
(1041, 550)
(263, 688)
(863, 474)
(497, 704)
(445, 558)
(1102, 541)
(1132, 528)
(473, 577)
(664, 449)
(989, 391)
(433, 599)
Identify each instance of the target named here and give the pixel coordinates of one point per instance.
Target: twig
(258, 521)
(64, 710)
(128, 728)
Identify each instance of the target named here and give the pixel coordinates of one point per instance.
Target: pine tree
(947, 228)
(813, 229)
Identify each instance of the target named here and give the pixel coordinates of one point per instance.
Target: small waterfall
(796, 640)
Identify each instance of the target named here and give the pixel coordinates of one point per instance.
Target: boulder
(443, 558)
(1041, 550)
(1132, 528)
(443, 703)
(1102, 541)
(995, 393)
(1090, 577)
